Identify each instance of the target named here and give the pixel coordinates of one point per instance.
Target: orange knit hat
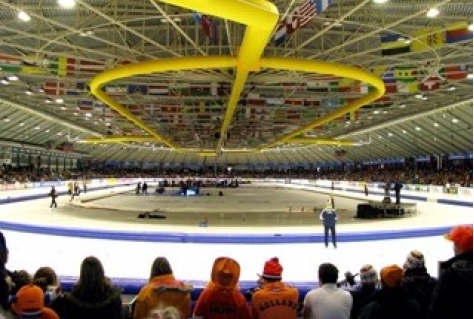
(461, 236)
(272, 269)
(29, 300)
(391, 275)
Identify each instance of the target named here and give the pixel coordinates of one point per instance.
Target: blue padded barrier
(454, 202)
(180, 237)
(132, 286)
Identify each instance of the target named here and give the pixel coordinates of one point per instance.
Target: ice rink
(240, 211)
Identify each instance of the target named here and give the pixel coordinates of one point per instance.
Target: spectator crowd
(405, 291)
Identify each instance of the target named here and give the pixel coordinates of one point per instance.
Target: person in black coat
(329, 218)
(368, 286)
(397, 187)
(391, 301)
(93, 297)
(453, 295)
(417, 282)
(53, 194)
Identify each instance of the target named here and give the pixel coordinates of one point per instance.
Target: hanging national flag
(10, 63)
(158, 90)
(299, 18)
(208, 26)
(458, 32)
(426, 39)
(393, 44)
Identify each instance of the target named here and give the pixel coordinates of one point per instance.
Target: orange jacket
(221, 298)
(275, 301)
(163, 291)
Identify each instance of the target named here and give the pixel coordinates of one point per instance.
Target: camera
(349, 280)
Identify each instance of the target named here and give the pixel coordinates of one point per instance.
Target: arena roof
(237, 85)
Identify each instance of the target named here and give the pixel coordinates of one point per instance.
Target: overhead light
(48, 101)
(23, 16)
(404, 131)
(67, 4)
(390, 134)
(59, 134)
(163, 20)
(63, 108)
(37, 127)
(470, 28)
(418, 128)
(76, 114)
(12, 78)
(6, 119)
(376, 112)
(177, 19)
(419, 96)
(21, 124)
(433, 12)
(436, 124)
(470, 76)
(402, 106)
(28, 92)
(380, 1)
(4, 81)
(88, 114)
(59, 100)
(47, 131)
(454, 120)
(452, 88)
(424, 98)
(385, 112)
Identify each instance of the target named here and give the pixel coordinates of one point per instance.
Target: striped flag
(300, 17)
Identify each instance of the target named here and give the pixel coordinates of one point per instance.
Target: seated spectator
(47, 280)
(416, 281)
(275, 300)
(19, 279)
(221, 298)
(29, 303)
(452, 297)
(368, 285)
(328, 301)
(163, 290)
(5, 281)
(93, 296)
(390, 302)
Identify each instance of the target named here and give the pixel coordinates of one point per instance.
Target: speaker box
(366, 211)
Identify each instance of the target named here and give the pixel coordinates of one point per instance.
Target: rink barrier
(216, 238)
(131, 286)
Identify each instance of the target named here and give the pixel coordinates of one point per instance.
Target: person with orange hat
(221, 298)
(29, 303)
(275, 300)
(391, 301)
(453, 295)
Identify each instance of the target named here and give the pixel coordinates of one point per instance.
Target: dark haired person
(328, 301)
(93, 296)
(53, 194)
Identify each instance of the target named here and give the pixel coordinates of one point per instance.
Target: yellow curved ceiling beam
(320, 141)
(322, 67)
(148, 67)
(260, 17)
(122, 139)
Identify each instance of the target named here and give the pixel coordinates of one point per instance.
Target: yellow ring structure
(260, 17)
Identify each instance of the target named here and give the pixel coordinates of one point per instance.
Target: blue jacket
(329, 217)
